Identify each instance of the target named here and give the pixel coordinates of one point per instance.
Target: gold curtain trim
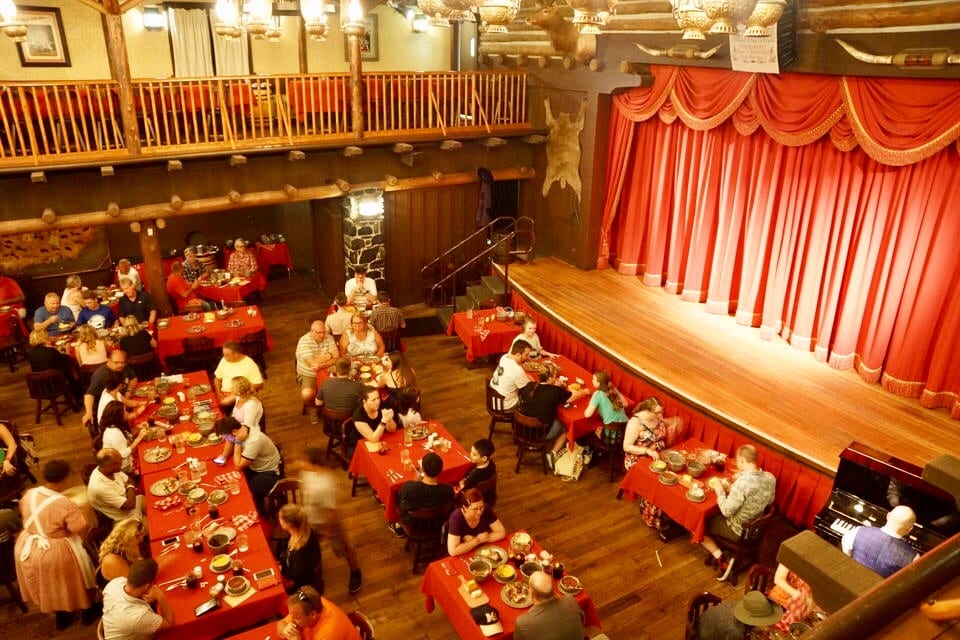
(701, 124)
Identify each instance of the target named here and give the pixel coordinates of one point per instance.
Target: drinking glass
(181, 448)
(407, 437)
(182, 475)
(195, 474)
(243, 543)
(202, 467)
(405, 460)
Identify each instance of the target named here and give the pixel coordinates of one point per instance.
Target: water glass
(243, 543)
(202, 467)
(407, 437)
(405, 460)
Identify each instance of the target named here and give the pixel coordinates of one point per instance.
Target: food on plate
(213, 437)
(364, 368)
(221, 563)
(658, 465)
(574, 386)
(169, 401)
(569, 584)
(516, 592)
(194, 438)
(236, 583)
(506, 572)
(471, 585)
(164, 487)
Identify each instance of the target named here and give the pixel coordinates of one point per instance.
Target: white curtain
(231, 54)
(190, 36)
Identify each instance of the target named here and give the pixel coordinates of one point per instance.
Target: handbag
(569, 464)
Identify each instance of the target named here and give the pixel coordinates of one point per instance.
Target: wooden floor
(782, 396)
(599, 538)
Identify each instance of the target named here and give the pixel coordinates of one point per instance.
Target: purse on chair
(569, 464)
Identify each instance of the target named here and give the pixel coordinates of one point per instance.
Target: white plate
(493, 554)
(165, 487)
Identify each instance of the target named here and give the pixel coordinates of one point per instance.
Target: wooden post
(354, 32)
(153, 263)
(120, 71)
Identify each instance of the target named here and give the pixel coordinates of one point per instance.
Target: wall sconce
(365, 203)
(9, 24)
(418, 22)
(153, 18)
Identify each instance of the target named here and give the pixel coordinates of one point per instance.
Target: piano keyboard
(842, 526)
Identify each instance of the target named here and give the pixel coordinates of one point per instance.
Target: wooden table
(641, 481)
(442, 580)
(377, 468)
(482, 338)
(170, 338)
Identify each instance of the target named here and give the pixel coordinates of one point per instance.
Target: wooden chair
(235, 304)
(759, 578)
(255, 346)
(86, 373)
(285, 491)
(363, 625)
(50, 386)
(199, 354)
(609, 444)
(146, 365)
(695, 608)
(489, 490)
(194, 307)
(745, 551)
(496, 410)
(424, 529)
(333, 428)
(530, 434)
(391, 340)
(13, 345)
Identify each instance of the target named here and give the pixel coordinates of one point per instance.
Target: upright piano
(869, 483)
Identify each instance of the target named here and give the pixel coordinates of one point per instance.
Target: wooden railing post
(120, 71)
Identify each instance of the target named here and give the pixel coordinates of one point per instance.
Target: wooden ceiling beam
(96, 6)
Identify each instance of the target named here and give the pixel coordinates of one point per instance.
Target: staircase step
(443, 316)
(494, 284)
(462, 303)
(479, 295)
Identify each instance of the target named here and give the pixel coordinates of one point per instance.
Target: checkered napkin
(168, 503)
(244, 521)
(224, 478)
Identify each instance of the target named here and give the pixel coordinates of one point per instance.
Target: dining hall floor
(778, 395)
(600, 539)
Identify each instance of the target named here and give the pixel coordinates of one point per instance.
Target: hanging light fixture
(697, 17)
(590, 16)
(257, 17)
(460, 10)
(228, 19)
(274, 31)
(436, 11)
(11, 27)
(353, 26)
(766, 14)
(314, 19)
(497, 14)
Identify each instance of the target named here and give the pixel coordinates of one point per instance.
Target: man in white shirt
(255, 455)
(126, 270)
(234, 364)
(314, 350)
(360, 289)
(509, 377)
(338, 322)
(128, 604)
(110, 491)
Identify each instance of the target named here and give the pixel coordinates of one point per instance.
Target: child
(480, 454)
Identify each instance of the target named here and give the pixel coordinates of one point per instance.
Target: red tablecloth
(494, 337)
(438, 587)
(170, 339)
(267, 255)
(263, 632)
(232, 292)
(374, 467)
(692, 516)
(205, 453)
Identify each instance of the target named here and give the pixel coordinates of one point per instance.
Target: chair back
(363, 625)
(489, 490)
(48, 384)
(759, 578)
(146, 365)
(254, 344)
(235, 304)
(528, 430)
(285, 491)
(746, 549)
(199, 343)
(333, 428)
(192, 307)
(199, 353)
(752, 532)
(86, 373)
(425, 525)
(695, 608)
(610, 442)
(391, 340)
(496, 402)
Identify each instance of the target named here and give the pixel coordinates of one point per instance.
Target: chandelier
(497, 14)
(314, 19)
(590, 15)
(11, 27)
(697, 17)
(256, 19)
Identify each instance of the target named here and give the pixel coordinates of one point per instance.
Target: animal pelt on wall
(563, 149)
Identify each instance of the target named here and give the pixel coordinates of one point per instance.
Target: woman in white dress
(116, 435)
(361, 339)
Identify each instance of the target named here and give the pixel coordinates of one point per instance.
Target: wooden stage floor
(781, 396)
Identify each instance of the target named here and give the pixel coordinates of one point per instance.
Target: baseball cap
(488, 618)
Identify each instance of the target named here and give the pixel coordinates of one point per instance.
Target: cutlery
(172, 511)
(182, 583)
(177, 530)
(169, 582)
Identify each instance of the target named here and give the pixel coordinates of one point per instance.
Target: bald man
(315, 349)
(110, 491)
(883, 550)
(552, 617)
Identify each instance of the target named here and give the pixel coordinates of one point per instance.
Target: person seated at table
(248, 410)
(301, 563)
(115, 433)
(120, 550)
(883, 549)
(318, 495)
(136, 303)
(509, 377)
(642, 437)
(407, 407)
(8, 468)
(338, 322)
(426, 493)
(672, 427)
(361, 339)
(734, 620)
(72, 296)
(183, 293)
(793, 594)
(544, 401)
(529, 335)
(115, 389)
(254, 454)
(474, 523)
(43, 357)
(313, 617)
(749, 495)
(90, 349)
(12, 295)
(98, 316)
(53, 317)
(233, 365)
(242, 262)
(481, 454)
(134, 339)
(315, 349)
(360, 290)
(386, 318)
(606, 400)
(128, 604)
(552, 617)
(192, 268)
(126, 270)
(339, 392)
(370, 421)
(397, 375)
(110, 490)
(116, 361)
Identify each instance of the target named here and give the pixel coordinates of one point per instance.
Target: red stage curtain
(850, 252)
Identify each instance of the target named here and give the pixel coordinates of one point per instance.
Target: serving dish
(570, 585)
(480, 569)
(165, 487)
(493, 554)
(237, 586)
(505, 573)
(197, 329)
(168, 411)
(668, 478)
(217, 496)
(187, 486)
(221, 563)
(658, 466)
(419, 431)
(696, 494)
(230, 532)
(157, 454)
(197, 495)
(199, 389)
(516, 595)
(145, 391)
(196, 440)
(152, 433)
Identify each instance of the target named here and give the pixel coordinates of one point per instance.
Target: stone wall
(363, 246)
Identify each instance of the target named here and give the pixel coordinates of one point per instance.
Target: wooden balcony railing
(54, 123)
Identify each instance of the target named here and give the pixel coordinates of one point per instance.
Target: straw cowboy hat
(756, 611)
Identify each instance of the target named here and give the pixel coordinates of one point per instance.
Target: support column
(153, 263)
(120, 71)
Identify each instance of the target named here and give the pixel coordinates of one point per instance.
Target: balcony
(56, 123)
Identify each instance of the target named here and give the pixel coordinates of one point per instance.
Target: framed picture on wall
(369, 41)
(46, 44)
